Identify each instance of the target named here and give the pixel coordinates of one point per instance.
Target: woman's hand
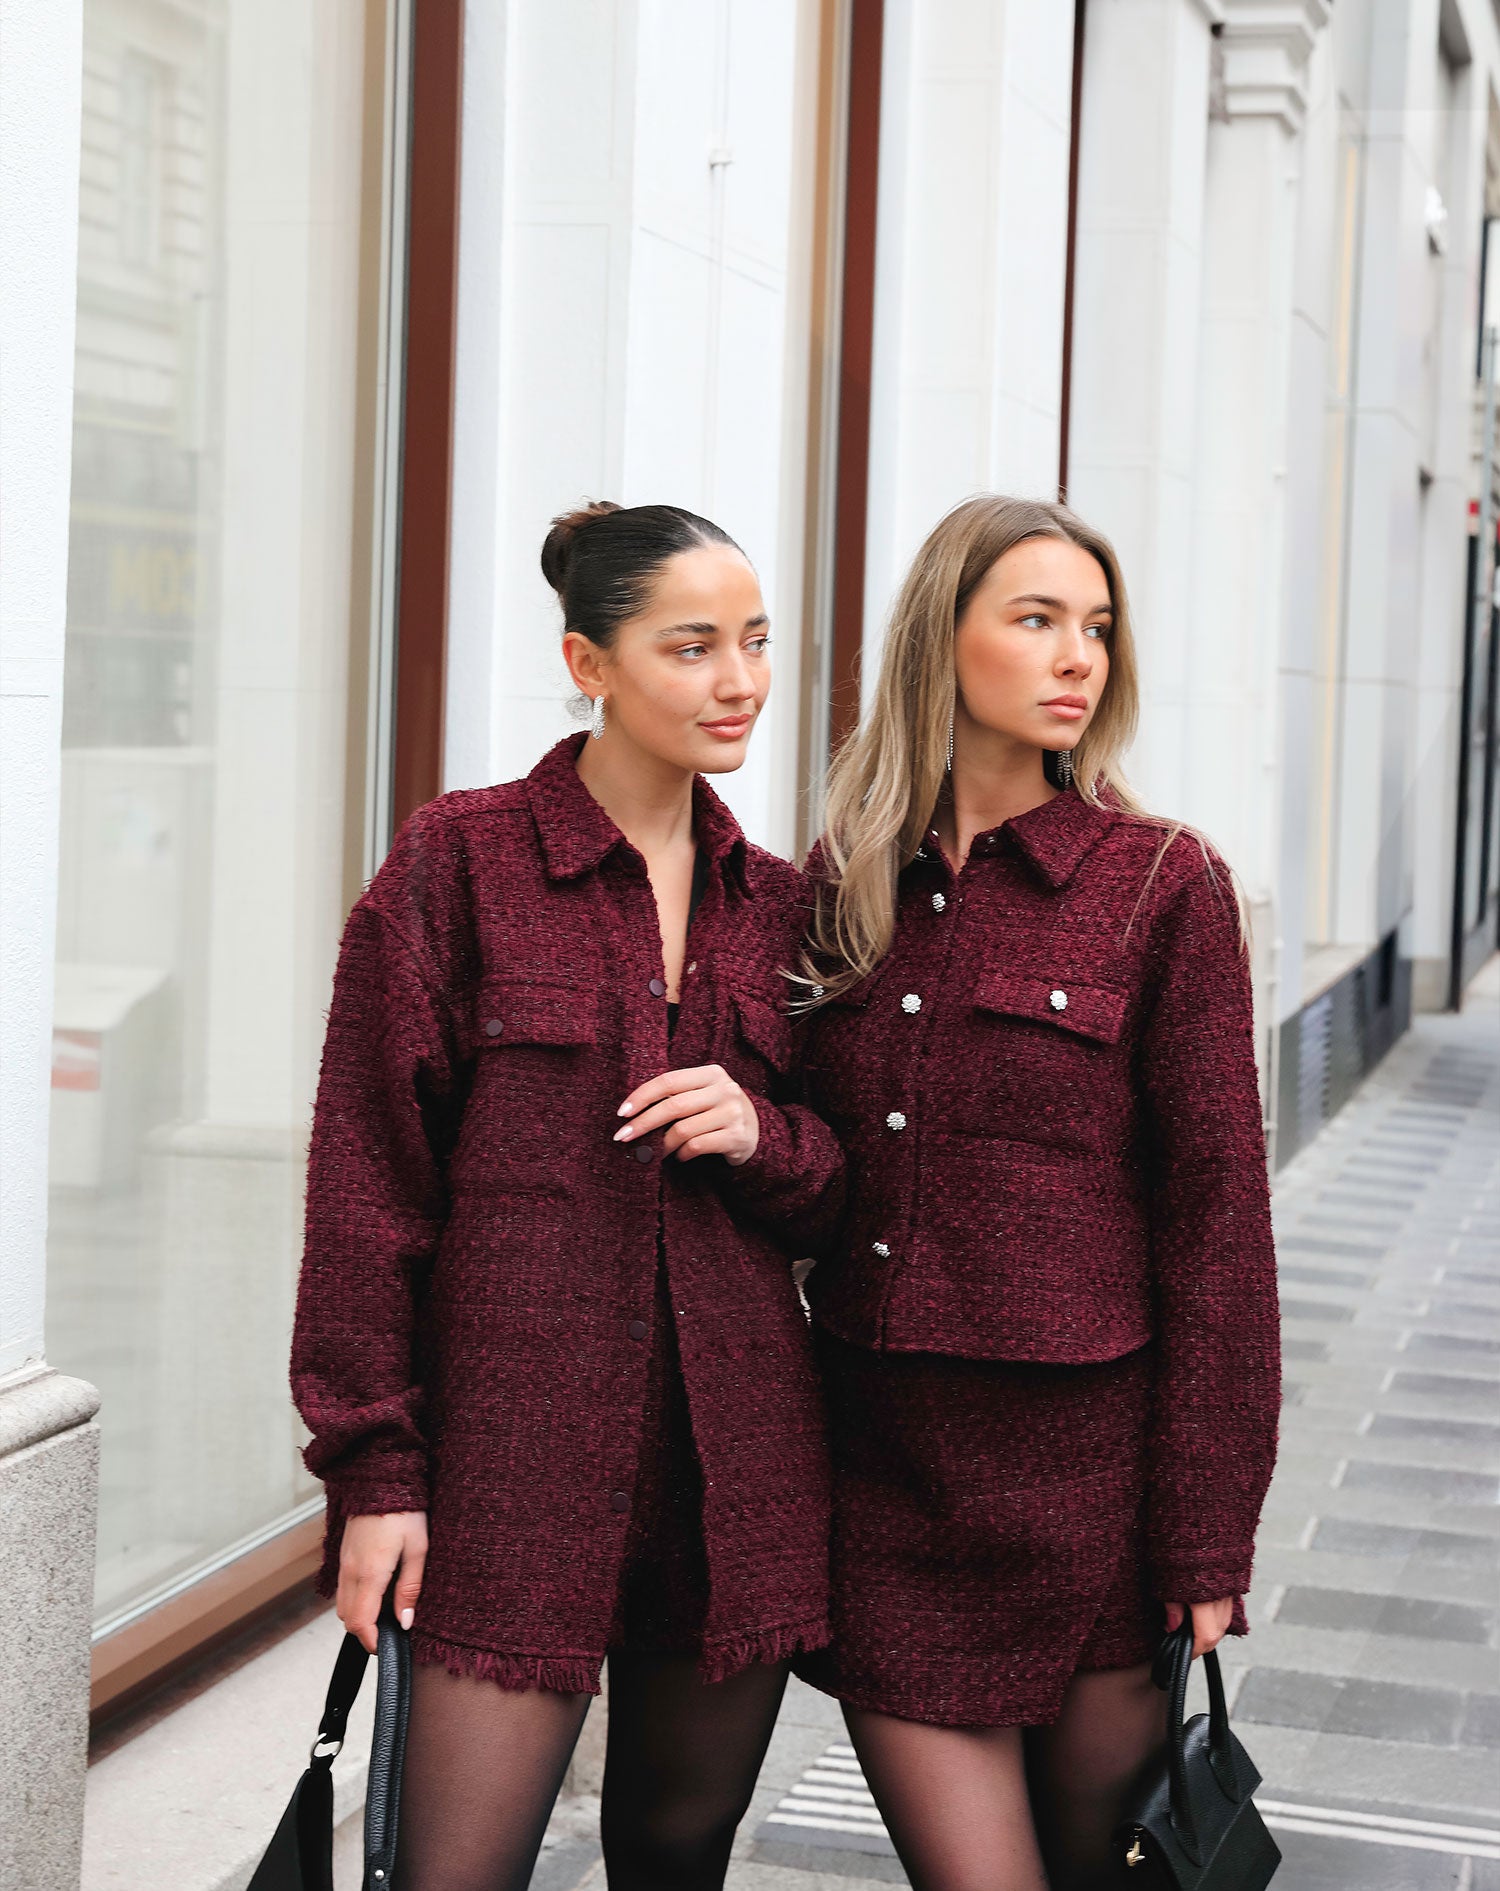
(709, 1113)
(371, 1549)
(1210, 1622)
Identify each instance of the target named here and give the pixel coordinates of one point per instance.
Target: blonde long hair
(884, 782)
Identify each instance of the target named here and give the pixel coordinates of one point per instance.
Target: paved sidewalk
(1369, 1689)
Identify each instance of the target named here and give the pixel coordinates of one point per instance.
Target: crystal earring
(596, 718)
(1064, 766)
(950, 741)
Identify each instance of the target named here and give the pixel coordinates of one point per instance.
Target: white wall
(628, 285)
(971, 253)
(40, 93)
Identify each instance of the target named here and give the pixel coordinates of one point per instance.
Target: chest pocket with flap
(1090, 1011)
(554, 1011)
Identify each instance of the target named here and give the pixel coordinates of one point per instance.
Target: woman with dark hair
(548, 1345)
(1048, 1331)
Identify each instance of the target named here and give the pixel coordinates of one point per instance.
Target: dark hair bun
(557, 547)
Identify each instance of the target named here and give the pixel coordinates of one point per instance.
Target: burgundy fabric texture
(1047, 1095)
(987, 1532)
(481, 1256)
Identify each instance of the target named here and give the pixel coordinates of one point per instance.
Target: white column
(970, 264)
(1138, 263)
(1458, 165)
(634, 341)
(1318, 372)
(48, 1444)
(1373, 863)
(1231, 655)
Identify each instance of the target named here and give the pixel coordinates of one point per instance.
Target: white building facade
(1215, 269)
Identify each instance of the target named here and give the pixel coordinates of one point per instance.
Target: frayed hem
(558, 1674)
(719, 1660)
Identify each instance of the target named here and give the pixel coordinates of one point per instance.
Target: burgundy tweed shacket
(481, 1255)
(1047, 1093)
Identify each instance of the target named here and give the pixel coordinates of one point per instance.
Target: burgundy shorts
(988, 1536)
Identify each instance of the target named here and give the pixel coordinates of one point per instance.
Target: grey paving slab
(1383, 1710)
(1297, 1346)
(1328, 1244)
(1421, 1483)
(1315, 1863)
(1346, 1609)
(1456, 1388)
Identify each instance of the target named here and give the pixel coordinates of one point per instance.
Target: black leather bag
(300, 1855)
(1195, 1826)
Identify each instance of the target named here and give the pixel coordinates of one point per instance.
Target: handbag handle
(343, 1688)
(1173, 1665)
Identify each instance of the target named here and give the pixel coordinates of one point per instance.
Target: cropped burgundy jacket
(1047, 1094)
(481, 1255)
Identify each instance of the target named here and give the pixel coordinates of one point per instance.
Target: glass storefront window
(225, 598)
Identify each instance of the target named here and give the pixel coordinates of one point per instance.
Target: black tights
(484, 1765)
(1007, 1809)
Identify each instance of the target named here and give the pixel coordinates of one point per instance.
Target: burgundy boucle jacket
(481, 1255)
(1047, 1093)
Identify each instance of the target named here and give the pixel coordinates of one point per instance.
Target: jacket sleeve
(1219, 1373)
(375, 1210)
(794, 1183)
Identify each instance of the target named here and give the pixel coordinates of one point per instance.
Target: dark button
(619, 1500)
(493, 1027)
(637, 1329)
(643, 1152)
(657, 989)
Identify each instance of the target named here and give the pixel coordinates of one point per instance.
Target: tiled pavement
(1369, 1689)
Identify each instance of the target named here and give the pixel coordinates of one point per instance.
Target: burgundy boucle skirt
(988, 1535)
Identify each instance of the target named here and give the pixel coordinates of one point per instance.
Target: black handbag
(300, 1855)
(1195, 1826)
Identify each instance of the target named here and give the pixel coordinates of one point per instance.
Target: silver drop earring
(596, 718)
(950, 741)
(1064, 767)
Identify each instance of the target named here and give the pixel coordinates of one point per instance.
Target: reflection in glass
(214, 716)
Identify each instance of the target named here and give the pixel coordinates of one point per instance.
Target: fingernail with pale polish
(622, 1135)
(625, 1109)
(406, 1618)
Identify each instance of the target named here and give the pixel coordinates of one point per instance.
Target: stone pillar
(48, 1445)
(1231, 656)
(1138, 260)
(971, 263)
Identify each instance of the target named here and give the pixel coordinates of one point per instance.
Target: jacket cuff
(1207, 1578)
(757, 1181)
(377, 1484)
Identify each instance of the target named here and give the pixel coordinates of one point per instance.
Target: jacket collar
(1053, 836)
(577, 835)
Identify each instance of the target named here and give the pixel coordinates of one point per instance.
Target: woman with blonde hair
(1048, 1334)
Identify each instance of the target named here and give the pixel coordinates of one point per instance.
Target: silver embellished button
(895, 1120)
(880, 1248)
(939, 902)
(911, 1002)
(816, 991)
(1058, 1001)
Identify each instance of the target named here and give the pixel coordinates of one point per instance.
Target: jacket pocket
(548, 1011)
(765, 1030)
(1092, 1011)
